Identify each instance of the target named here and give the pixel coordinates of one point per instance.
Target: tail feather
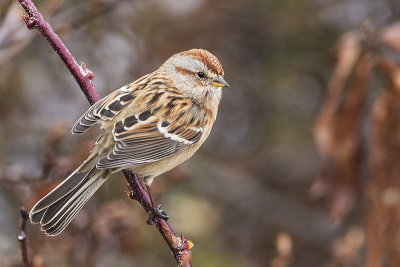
(67, 186)
(58, 205)
(62, 222)
(59, 223)
(56, 210)
(68, 212)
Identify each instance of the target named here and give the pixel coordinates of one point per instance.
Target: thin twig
(22, 237)
(179, 246)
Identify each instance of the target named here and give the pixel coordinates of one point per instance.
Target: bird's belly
(159, 167)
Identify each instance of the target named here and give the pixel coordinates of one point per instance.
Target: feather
(105, 109)
(56, 210)
(143, 138)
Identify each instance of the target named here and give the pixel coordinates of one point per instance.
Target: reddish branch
(22, 237)
(179, 246)
(82, 75)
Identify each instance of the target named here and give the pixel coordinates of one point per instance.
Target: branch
(82, 75)
(179, 246)
(22, 237)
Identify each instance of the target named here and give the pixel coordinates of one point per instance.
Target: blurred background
(261, 191)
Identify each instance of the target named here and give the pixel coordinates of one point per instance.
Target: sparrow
(148, 126)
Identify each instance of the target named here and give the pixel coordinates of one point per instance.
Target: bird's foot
(157, 212)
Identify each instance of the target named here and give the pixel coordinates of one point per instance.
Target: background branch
(22, 237)
(179, 246)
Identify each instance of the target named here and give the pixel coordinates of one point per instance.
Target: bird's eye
(201, 74)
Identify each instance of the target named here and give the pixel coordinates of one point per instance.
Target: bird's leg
(157, 212)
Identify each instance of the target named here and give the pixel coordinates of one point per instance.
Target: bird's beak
(220, 82)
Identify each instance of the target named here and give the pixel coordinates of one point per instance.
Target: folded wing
(143, 138)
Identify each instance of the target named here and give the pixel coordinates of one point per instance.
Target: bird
(148, 126)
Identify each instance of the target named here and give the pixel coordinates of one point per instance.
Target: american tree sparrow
(149, 126)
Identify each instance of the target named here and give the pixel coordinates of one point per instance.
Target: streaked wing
(143, 138)
(110, 106)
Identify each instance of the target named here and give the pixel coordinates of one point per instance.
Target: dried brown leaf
(390, 35)
(382, 226)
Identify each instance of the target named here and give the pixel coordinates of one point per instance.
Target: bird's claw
(157, 212)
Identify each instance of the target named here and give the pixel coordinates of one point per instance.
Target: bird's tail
(56, 210)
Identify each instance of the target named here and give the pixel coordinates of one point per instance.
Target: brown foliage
(337, 128)
(338, 135)
(383, 190)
